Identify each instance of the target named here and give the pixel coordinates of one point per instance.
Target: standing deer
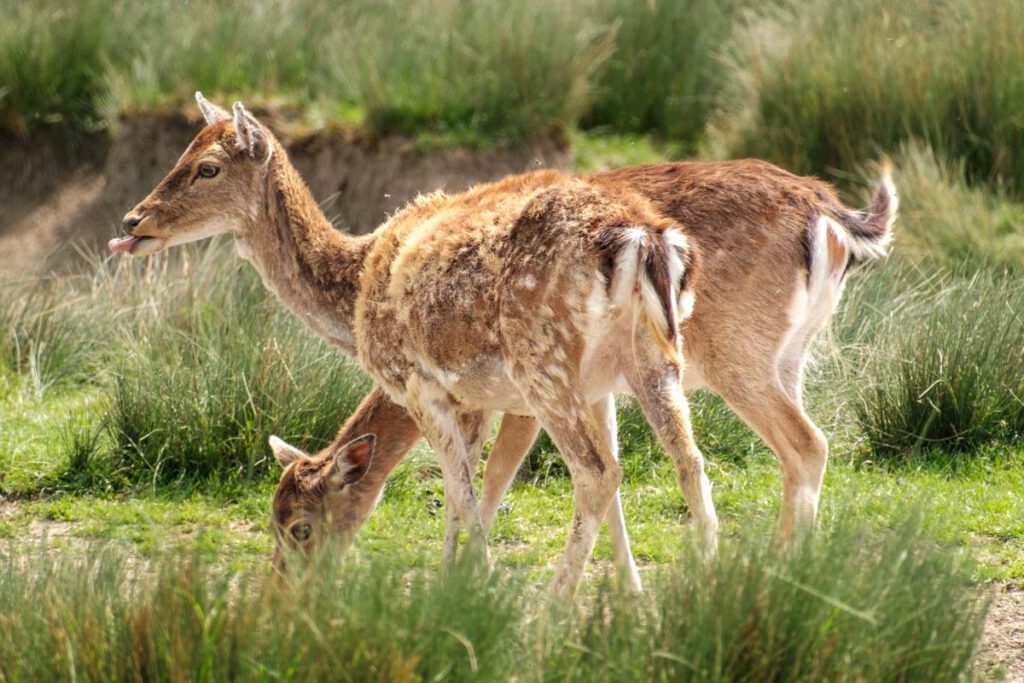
(776, 249)
(538, 296)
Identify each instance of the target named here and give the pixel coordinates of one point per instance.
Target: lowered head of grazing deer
(311, 488)
(330, 494)
(210, 189)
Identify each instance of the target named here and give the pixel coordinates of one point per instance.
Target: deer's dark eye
(208, 170)
(301, 532)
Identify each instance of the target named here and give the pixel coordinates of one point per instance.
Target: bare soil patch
(1003, 642)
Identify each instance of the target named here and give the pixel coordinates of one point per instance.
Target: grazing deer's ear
(211, 113)
(285, 453)
(250, 135)
(353, 460)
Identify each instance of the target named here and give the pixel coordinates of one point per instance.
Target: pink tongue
(122, 243)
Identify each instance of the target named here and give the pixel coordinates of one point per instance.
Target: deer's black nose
(129, 222)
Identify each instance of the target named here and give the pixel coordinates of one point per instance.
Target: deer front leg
(515, 437)
(475, 427)
(436, 414)
(604, 414)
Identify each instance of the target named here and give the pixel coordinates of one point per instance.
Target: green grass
(852, 605)
(820, 87)
(944, 222)
(198, 388)
(402, 65)
(53, 57)
(190, 365)
(269, 51)
(37, 435)
(664, 76)
(976, 506)
(828, 85)
(751, 615)
(593, 152)
(533, 65)
(946, 372)
(48, 337)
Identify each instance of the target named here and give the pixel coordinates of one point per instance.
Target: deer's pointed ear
(285, 453)
(211, 112)
(250, 135)
(353, 460)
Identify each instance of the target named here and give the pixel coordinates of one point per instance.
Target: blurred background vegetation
(811, 85)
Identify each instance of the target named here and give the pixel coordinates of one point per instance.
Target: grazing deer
(776, 249)
(539, 296)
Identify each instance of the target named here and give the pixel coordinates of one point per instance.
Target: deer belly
(483, 385)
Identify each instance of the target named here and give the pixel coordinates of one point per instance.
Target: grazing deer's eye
(208, 170)
(301, 532)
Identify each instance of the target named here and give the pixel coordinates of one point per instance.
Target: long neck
(312, 267)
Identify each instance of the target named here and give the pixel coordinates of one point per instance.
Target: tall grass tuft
(944, 223)
(825, 85)
(196, 362)
(261, 52)
(857, 607)
(108, 617)
(664, 75)
(927, 348)
(850, 607)
(943, 369)
(214, 367)
(49, 335)
(53, 57)
(471, 70)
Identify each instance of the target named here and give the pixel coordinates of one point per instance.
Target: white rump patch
(814, 302)
(626, 263)
(686, 300)
(676, 244)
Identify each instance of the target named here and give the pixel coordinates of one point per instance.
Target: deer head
(212, 189)
(311, 487)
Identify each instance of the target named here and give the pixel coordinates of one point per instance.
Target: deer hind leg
(656, 383)
(474, 427)
(771, 411)
(767, 396)
(800, 445)
(770, 397)
(436, 414)
(604, 414)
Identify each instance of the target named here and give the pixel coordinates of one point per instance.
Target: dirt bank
(55, 200)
